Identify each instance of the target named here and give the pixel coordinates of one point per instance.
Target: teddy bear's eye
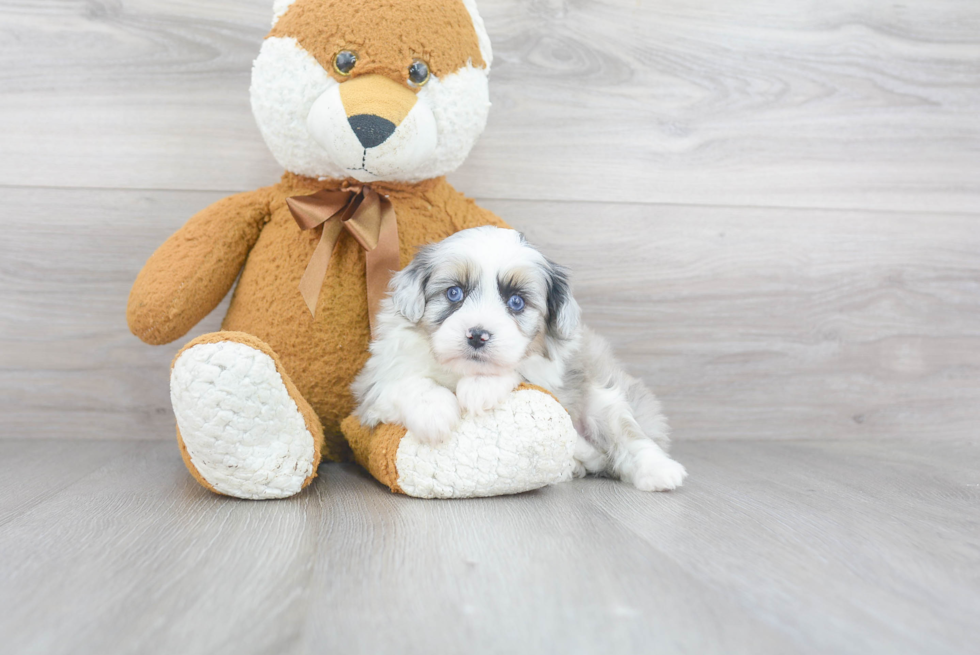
(344, 62)
(418, 73)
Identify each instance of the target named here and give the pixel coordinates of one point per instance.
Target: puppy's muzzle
(477, 337)
(375, 107)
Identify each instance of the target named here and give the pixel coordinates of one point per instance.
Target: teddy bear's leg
(525, 443)
(243, 428)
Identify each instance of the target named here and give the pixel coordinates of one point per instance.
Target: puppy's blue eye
(454, 294)
(516, 303)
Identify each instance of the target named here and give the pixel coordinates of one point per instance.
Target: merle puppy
(482, 311)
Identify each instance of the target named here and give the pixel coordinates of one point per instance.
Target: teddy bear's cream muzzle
(373, 127)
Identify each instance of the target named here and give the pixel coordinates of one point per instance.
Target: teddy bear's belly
(323, 354)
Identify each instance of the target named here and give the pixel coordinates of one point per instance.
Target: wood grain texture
(857, 547)
(30, 475)
(769, 103)
(68, 365)
(759, 324)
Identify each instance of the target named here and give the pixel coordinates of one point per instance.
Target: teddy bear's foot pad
(242, 432)
(526, 443)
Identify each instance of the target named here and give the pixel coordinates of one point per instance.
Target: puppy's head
(372, 89)
(487, 300)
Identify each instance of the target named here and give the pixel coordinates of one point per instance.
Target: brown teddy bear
(367, 104)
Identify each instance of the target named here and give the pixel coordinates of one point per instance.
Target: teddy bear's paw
(524, 443)
(242, 433)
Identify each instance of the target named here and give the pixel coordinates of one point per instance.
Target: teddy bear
(367, 105)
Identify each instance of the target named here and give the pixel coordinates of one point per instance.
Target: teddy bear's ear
(408, 286)
(279, 8)
(481, 32)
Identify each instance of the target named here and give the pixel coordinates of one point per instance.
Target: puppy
(478, 313)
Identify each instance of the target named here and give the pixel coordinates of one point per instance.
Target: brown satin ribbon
(369, 217)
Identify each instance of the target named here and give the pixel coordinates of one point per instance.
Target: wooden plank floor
(792, 547)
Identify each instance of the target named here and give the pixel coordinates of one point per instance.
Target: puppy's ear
(408, 286)
(563, 311)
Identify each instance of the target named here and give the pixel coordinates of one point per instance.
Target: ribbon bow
(369, 217)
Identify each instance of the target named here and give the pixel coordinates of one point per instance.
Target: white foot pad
(242, 430)
(525, 443)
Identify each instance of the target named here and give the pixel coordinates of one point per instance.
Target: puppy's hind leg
(645, 465)
(637, 434)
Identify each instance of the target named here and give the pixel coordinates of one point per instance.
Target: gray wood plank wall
(771, 208)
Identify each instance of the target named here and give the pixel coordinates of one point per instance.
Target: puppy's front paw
(434, 417)
(480, 394)
(656, 472)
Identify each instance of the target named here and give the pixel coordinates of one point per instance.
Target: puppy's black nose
(477, 337)
(371, 130)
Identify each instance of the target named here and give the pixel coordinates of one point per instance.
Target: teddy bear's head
(392, 90)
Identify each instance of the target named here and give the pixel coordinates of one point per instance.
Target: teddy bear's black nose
(371, 130)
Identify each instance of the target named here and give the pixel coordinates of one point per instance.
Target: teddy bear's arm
(192, 271)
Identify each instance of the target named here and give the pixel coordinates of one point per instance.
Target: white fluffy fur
(286, 82)
(299, 113)
(425, 373)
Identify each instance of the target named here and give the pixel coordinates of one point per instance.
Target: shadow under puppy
(482, 311)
